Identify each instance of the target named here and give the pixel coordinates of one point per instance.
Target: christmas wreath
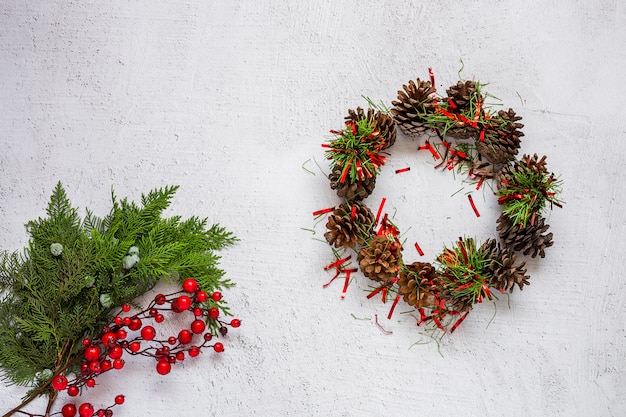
(462, 133)
(68, 303)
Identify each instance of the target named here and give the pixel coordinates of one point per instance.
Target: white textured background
(230, 98)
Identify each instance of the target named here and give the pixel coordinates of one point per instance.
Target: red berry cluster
(132, 334)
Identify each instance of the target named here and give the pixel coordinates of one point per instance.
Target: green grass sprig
(528, 194)
(357, 150)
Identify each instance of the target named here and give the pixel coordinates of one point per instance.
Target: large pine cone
(526, 239)
(417, 284)
(381, 121)
(351, 191)
(502, 138)
(413, 103)
(380, 258)
(506, 274)
(346, 230)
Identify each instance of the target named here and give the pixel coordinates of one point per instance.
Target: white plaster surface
(229, 99)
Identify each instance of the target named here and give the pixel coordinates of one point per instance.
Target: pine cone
(417, 287)
(413, 104)
(346, 230)
(351, 191)
(527, 239)
(380, 258)
(502, 138)
(463, 94)
(381, 121)
(506, 274)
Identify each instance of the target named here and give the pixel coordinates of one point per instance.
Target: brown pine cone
(464, 94)
(417, 284)
(506, 274)
(526, 239)
(346, 230)
(380, 258)
(351, 191)
(413, 104)
(502, 138)
(381, 121)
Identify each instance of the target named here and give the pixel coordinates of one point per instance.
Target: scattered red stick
(353, 214)
(431, 73)
(419, 250)
(398, 171)
(380, 210)
(337, 263)
(458, 322)
(471, 200)
(393, 307)
(323, 211)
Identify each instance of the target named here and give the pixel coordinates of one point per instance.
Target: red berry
(194, 351)
(101, 413)
(235, 323)
(148, 333)
(183, 302)
(118, 320)
(197, 311)
(180, 356)
(90, 382)
(68, 410)
(95, 367)
(190, 285)
(218, 347)
(119, 399)
(208, 336)
(171, 340)
(92, 353)
(59, 382)
(171, 359)
(159, 318)
(86, 342)
(159, 299)
(121, 334)
(214, 313)
(153, 312)
(106, 365)
(135, 323)
(109, 339)
(85, 410)
(126, 308)
(134, 347)
(198, 326)
(185, 336)
(126, 321)
(216, 296)
(201, 296)
(163, 367)
(118, 364)
(223, 330)
(73, 391)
